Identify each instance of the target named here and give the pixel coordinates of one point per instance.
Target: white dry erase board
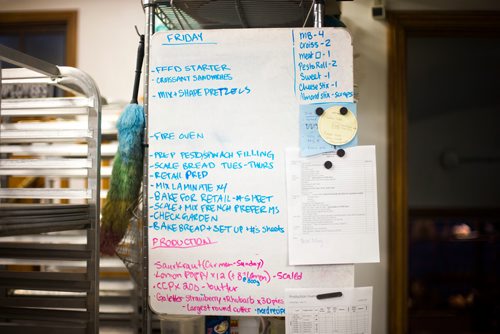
(223, 107)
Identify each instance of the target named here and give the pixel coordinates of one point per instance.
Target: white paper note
(350, 312)
(332, 212)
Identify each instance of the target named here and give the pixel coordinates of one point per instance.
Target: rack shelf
(49, 233)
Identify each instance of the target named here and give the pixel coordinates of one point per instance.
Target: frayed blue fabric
(130, 127)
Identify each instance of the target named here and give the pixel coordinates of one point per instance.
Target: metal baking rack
(49, 200)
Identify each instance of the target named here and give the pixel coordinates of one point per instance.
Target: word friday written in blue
(177, 38)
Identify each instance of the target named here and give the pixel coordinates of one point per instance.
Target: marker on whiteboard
(329, 295)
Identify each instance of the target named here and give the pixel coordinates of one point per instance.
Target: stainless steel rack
(48, 282)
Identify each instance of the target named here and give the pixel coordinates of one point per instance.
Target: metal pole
(319, 12)
(149, 30)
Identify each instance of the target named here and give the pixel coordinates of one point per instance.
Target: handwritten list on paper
(222, 111)
(320, 65)
(332, 208)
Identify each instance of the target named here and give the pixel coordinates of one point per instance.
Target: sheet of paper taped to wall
(332, 207)
(344, 310)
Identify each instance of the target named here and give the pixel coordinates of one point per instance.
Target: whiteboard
(223, 108)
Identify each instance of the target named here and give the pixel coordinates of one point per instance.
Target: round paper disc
(335, 128)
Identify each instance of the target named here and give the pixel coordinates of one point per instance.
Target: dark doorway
(445, 189)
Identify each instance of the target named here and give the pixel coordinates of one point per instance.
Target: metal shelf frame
(156, 9)
(70, 299)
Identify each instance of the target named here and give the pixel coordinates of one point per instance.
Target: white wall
(107, 41)
(370, 74)
(107, 46)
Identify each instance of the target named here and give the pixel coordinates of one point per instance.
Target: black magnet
(343, 110)
(329, 295)
(328, 164)
(319, 111)
(340, 152)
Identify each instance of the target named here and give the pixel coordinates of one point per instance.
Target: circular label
(335, 128)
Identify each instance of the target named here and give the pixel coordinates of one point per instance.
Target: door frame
(404, 24)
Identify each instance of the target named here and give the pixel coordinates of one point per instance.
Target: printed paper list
(333, 211)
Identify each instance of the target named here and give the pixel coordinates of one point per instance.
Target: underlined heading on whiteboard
(206, 43)
(186, 38)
